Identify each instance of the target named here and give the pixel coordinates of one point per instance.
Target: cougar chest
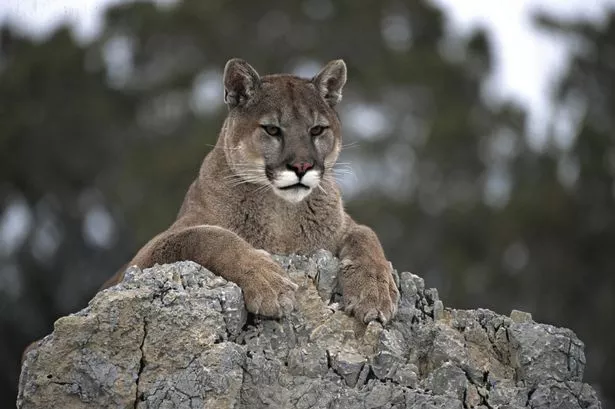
(307, 227)
(252, 221)
(267, 222)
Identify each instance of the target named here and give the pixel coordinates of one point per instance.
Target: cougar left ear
(330, 81)
(241, 82)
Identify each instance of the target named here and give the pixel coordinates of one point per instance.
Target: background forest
(99, 142)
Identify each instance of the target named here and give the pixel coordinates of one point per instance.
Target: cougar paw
(267, 291)
(370, 293)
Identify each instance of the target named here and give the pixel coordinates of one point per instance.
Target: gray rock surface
(178, 336)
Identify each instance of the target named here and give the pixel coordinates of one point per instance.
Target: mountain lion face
(282, 131)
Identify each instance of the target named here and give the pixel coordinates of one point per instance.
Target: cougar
(267, 187)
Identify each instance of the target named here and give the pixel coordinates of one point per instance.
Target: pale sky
(527, 61)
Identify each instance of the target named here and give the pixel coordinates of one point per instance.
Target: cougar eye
(272, 130)
(317, 130)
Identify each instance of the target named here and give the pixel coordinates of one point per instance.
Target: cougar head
(282, 131)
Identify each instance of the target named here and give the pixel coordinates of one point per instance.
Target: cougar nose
(300, 168)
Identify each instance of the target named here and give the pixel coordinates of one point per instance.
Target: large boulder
(178, 336)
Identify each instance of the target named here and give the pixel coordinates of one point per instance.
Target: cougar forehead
(284, 100)
(291, 97)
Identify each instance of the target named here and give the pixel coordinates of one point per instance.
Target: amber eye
(272, 130)
(317, 130)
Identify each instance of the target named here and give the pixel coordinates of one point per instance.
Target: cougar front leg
(367, 280)
(266, 290)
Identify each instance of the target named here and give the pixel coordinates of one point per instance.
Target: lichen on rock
(178, 336)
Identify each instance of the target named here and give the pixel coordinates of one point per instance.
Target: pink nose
(301, 167)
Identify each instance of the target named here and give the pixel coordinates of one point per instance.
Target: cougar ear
(241, 82)
(330, 81)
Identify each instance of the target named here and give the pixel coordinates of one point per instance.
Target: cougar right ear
(330, 81)
(240, 82)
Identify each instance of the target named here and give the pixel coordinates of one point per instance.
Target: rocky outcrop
(178, 336)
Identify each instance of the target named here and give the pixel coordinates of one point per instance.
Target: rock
(178, 336)
(520, 316)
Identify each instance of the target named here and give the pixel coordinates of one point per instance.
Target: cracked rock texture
(178, 336)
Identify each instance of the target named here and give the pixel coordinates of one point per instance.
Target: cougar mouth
(292, 188)
(295, 186)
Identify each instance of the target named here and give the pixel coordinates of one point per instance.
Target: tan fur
(226, 218)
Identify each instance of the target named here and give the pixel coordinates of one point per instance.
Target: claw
(382, 318)
(350, 305)
(287, 305)
(371, 315)
(291, 284)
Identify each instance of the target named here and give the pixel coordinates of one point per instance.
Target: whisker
(350, 145)
(339, 175)
(254, 165)
(262, 188)
(322, 189)
(226, 149)
(241, 180)
(251, 179)
(242, 176)
(340, 167)
(248, 180)
(248, 172)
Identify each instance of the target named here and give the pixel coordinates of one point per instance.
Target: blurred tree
(61, 132)
(580, 219)
(98, 145)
